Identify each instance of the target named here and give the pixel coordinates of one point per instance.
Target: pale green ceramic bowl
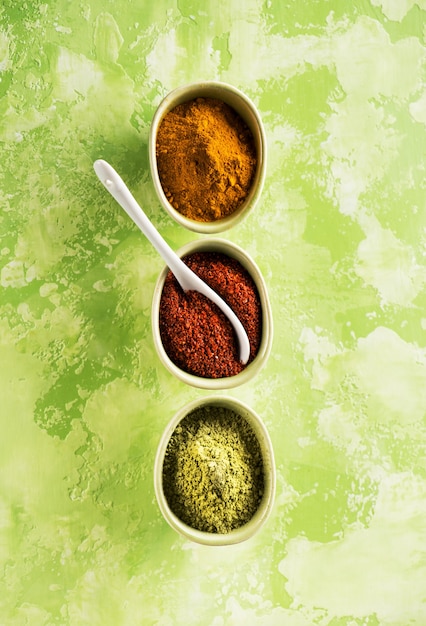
(253, 368)
(247, 110)
(260, 517)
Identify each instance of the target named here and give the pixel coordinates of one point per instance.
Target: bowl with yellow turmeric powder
(207, 152)
(214, 472)
(193, 338)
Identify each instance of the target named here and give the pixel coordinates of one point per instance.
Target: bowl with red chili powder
(207, 153)
(214, 472)
(194, 340)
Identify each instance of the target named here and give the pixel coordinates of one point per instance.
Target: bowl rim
(216, 244)
(245, 107)
(263, 512)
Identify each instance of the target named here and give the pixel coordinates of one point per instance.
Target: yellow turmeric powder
(206, 159)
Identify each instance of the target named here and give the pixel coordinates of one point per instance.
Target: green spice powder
(213, 470)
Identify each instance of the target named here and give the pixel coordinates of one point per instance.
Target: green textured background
(340, 236)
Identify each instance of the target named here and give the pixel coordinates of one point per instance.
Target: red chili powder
(195, 333)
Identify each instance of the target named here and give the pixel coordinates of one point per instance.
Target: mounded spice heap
(195, 333)
(213, 470)
(206, 159)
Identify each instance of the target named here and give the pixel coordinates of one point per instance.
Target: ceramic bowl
(261, 515)
(247, 110)
(253, 368)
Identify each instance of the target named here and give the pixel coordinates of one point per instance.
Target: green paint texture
(340, 236)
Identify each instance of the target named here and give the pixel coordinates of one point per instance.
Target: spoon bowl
(187, 279)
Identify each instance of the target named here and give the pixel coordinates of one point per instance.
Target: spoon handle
(113, 183)
(184, 275)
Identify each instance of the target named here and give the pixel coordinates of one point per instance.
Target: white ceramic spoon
(187, 279)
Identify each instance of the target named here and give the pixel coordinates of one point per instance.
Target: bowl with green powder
(207, 153)
(194, 340)
(214, 472)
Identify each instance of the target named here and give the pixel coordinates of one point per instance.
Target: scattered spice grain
(195, 333)
(213, 477)
(206, 159)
